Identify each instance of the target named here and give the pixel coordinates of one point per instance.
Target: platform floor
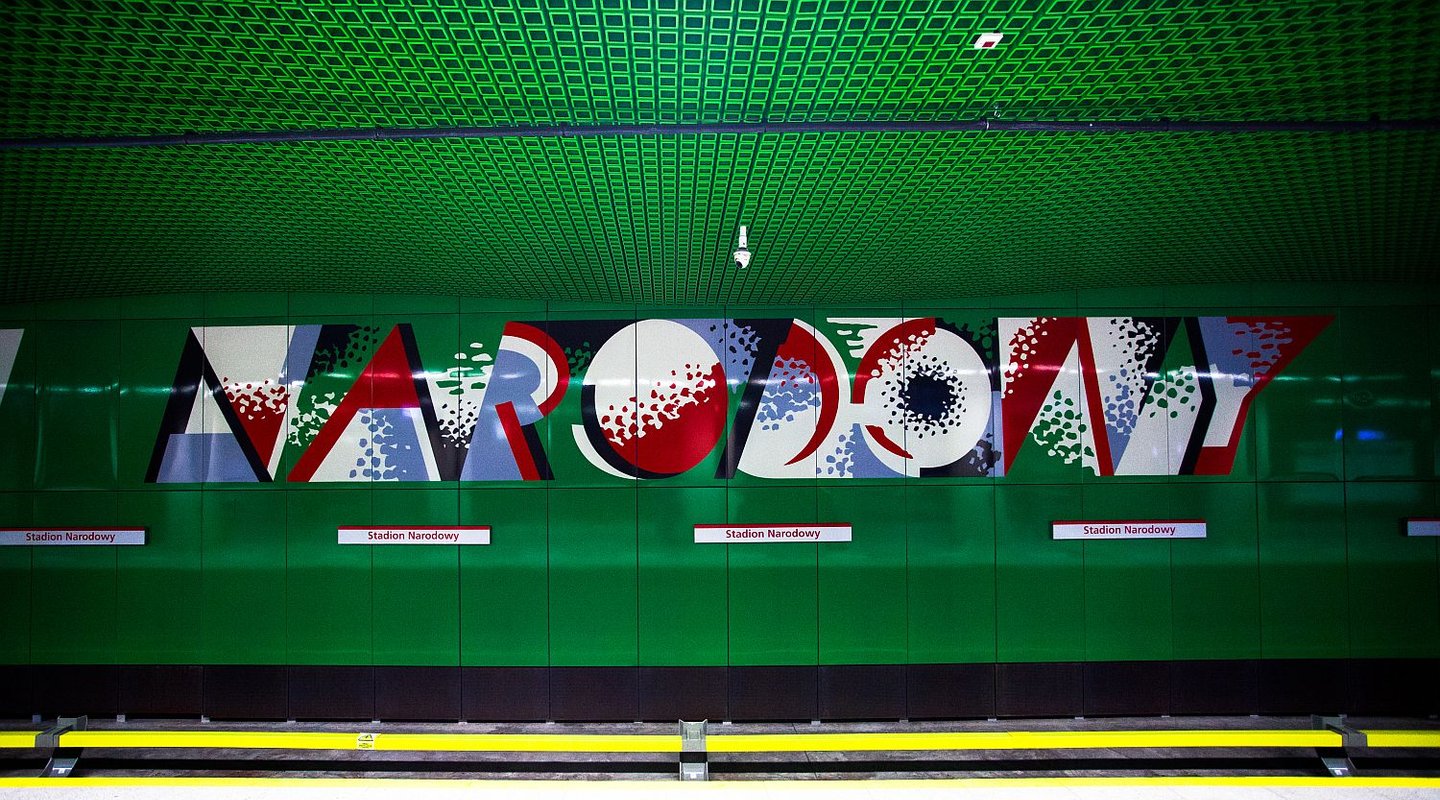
(970, 789)
(1130, 774)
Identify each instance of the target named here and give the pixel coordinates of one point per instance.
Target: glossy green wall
(1305, 557)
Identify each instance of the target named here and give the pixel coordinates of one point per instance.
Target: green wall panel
(504, 587)
(1435, 387)
(682, 585)
(1305, 556)
(1039, 583)
(417, 587)
(863, 597)
(78, 370)
(180, 305)
(351, 304)
(773, 587)
(593, 564)
(16, 573)
(329, 588)
(73, 600)
(1394, 597)
(1387, 394)
(221, 307)
(1127, 582)
(1303, 595)
(245, 576)
(1215, 581)
(149, 353)
(950, 531)
(416, 304)
(152, 627)
(1296, 417)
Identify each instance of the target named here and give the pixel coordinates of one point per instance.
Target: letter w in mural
(650, 399)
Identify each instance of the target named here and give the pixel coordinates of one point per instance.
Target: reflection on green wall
(1305, 555)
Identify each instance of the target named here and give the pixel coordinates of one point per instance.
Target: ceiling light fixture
(742, 255)
(985, 41)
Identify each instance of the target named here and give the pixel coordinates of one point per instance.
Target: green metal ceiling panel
(839, 217)
(834, 217)
(140, 66)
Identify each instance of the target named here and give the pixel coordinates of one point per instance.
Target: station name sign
(70, 536)
(1422, 526)
(472, 534)
(721, 534)
(1128, 529)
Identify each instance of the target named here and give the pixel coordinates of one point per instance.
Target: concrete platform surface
(970, 789)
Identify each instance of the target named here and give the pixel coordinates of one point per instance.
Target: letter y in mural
(1141, 395)
(9, 348)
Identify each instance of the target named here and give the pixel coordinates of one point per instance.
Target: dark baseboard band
(1401, 687)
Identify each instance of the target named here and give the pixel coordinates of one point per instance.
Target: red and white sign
(31, 537)
(1128, 529)
(723, 534)
(1422, 526)
(472, 534)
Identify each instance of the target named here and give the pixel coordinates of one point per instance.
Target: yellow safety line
(727, 743)
(275, 740)
(1015, 740)
(732, 786)
(21, 739)
(1430, 738)
(524, 742)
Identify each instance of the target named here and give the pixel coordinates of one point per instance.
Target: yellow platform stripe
(1015, 740)
(275, 740)
(1430, 738)
(632, 788)
(9, 739)
(533, 743)
(726, 743)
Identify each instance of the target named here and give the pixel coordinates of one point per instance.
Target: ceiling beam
(752, 128)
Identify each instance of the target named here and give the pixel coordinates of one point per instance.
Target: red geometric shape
(387, 382)
(1027, 389)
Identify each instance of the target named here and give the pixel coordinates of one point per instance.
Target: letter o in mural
(927, 394)
(660, 403)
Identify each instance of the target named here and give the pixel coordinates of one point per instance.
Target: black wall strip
(1403, 687)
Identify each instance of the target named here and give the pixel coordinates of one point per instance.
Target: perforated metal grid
(141, 66)
(834, 217)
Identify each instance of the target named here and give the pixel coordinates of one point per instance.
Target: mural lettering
(846, 397)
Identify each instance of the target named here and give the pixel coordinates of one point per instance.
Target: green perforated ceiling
(834, 217)
(137, 66)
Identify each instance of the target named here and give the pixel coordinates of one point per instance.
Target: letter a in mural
(225, 420)
(384, 426)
